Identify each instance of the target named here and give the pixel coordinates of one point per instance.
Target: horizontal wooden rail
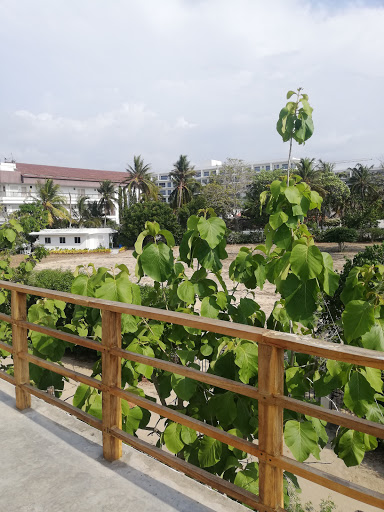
(303, 344)
(270, 395)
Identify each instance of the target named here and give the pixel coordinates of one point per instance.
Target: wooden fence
(270, 392)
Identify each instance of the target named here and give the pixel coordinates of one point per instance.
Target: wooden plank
(207, 378)
(74, 411)
(66, 372)
(326, 349)
(61, 335)
(6, 347)
(335, 417)
(332, 482)
(5, 318)
(199, 474)
(199, 426)
(9, 378)
(111, 377)
(303, 344)
(20, 345)
(271, 380)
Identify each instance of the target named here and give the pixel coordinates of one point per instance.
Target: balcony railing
(270, 392)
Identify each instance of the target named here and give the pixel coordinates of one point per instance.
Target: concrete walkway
(52, 462)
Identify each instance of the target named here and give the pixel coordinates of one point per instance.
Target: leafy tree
(252, 204)
(139, 183)
(184, 183)
(32, 217)
(336, 193)
(310, 174)
(340, 235)
(235, 176)
(52, 202)
(108, 198)
(135, 217)
(219, 197)
(363, 216)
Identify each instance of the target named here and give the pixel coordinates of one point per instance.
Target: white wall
(86, 241)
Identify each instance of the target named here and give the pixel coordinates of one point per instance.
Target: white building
(18, 185)
(212, 168)
(79, 238)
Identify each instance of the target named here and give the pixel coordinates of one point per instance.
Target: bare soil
(369, 474)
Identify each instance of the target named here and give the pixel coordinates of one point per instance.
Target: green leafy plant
(340, 235)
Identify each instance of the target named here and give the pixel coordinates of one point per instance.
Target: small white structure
(74, 238)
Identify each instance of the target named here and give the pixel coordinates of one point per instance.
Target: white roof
(74, 231)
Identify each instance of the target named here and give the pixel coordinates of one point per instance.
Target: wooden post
(20, 344)
(111, 376)
(271, 380)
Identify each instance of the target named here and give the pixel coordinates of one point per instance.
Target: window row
(62, 239)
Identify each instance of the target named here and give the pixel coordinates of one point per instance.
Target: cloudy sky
(90, 83)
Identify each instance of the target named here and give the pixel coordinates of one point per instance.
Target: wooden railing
(270, 392)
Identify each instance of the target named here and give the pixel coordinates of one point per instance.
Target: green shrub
(52, 279)
(253, 237)
(135, 217)
(340, 235)
(332, 223)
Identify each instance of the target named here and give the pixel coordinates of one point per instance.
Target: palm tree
(139, 181)
(108, 198)
(361, 182)
(326, 167)
(50, 199)
(310, 174)
(185, 184)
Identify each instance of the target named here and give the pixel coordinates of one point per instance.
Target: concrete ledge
(53, 462)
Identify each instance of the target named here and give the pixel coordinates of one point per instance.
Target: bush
(135, 217)
(373, 235)
(331, 223)
(254, 237)
(340, 235)
(60, 280)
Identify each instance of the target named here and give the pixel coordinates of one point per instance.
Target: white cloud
(204, 78)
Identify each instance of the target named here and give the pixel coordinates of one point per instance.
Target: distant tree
(52, 202)
(310, 174)
(326, 166)
(108, 198)
(337, 194)
(251, 206)
(220, 198)
(361, 182)
(197, 203)
(135, 217)
(184, 183)
(32, 217)
(139, 182)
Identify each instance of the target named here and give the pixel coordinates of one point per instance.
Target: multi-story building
(18, 185)
(205, 172)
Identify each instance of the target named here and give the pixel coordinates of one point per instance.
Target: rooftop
(74, 231)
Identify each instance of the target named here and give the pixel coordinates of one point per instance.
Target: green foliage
(340, 235)
(295, 119)
(135, 217)
(53, 279)
(32, 217)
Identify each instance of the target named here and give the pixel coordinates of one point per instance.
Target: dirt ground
(370, 473)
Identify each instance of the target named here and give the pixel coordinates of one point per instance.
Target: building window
(47, 240)
(62, 239)
(284, 166)
(77, 240)
(277, 166)
(169, 184)
(257, 168)
(206, 173)
(198, 174)
(162, 185)
(267, 167)
(164, 177)
(3, 188)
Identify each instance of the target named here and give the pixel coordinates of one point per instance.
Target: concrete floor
(50, 461)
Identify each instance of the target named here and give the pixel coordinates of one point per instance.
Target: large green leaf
(306, 261)
(207, 257)
(209, 452)
(95, 406)
(374, 339)
(358, 319)
(188, 435)
(48, 346)
(183, 387)
(212, 230)
(157, 261)
(302, 439)
(186, 292)
(301, 303)
(133, 417)
(82, 393)
(277, 219)
(119, 289)
(247, 360)
(224, 408)
(209, 307)
(249, 478)
(351, 448)
(358, 394)
(82, 285)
